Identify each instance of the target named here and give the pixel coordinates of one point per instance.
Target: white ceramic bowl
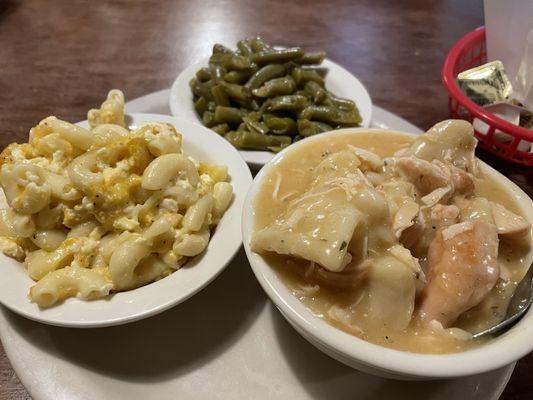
(373, 358)
(338, 80)
(204, 145)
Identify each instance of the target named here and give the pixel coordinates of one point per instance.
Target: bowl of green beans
(263, 98)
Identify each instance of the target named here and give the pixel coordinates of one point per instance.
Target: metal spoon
(518, 306)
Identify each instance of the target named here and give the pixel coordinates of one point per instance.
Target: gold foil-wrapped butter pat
(486, 84)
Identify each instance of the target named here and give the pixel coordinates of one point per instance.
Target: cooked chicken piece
(462, 270)
(424, 175)
(510, 225)
(429, 220)
(451, 141)
(463, 182)
(441, 194)
(404, 217)
(413, 236)
(435, 180)
(442, 212)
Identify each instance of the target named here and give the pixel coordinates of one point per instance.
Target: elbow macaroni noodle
(106, 209)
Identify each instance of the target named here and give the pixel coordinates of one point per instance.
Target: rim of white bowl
(181, 104)
(160, 295)
(499, 352)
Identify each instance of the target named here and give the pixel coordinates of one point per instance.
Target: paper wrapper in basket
(523, 85)
(509, 27)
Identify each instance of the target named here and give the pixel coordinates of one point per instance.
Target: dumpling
(451, 141)
(319, 225)
(318, 228)
(391, 293)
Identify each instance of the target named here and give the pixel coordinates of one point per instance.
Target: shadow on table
(321, 376)
(167, 345)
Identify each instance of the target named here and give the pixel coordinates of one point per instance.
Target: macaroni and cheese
(105, 209)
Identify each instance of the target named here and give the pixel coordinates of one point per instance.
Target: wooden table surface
(60, 58)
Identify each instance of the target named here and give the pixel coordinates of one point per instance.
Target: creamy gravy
(291, 176)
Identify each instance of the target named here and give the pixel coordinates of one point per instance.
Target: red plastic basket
(467, 53)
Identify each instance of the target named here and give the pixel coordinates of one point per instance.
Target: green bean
(309, 128)
(245, 105)
(200, 105)
(275, 149)
(203, 75)
(201, 89)
(238, 92)
(230, 61)
(257, 44)
(221, 129)
(229, 115)
(301, 76)
(255, 105)
(331, 114)
(255, 125)
(208, 119)
(255, 141)
(327, 102)
(194, 84)
(221, 49)
(317, 92)
(266, 73)
(211, 105)
(343, 104)
(216, 72)
(254, 116)
(320, 71)
(276, 87)
(349, 117)
(280, 125)
(302, 92)
(291, 102)
(241, 76)
(311, 58)
(322, 113)
(265, 106)
(282, 55)
(220, 96)
(245, 47)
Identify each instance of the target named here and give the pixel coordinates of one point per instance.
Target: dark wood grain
(61, 58)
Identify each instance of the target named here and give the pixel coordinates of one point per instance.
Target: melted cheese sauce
(291, 176)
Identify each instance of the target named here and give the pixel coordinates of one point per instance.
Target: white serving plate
(369, 357)
(123, 307)
(244, 350)
(338, 80)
